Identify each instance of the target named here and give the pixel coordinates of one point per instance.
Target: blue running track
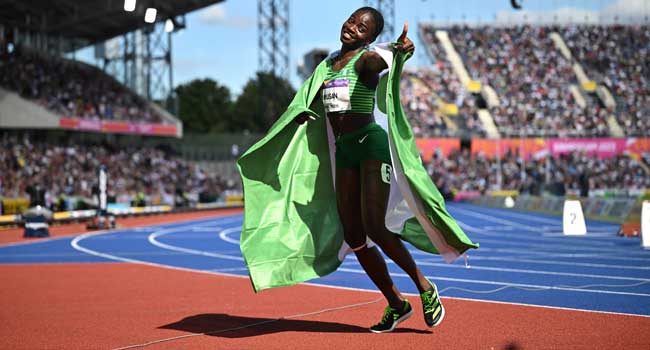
(523, 258)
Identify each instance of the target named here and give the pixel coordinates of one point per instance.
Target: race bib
(336, 95)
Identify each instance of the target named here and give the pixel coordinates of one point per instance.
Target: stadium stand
(138, 175)
(437, 105)
(571, 173)
(538, 88)
(450, 96)
(618, 57)
(531, 78)
(72, 89)
(421, 105)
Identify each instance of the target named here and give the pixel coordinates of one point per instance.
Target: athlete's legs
(348, 200)
(375, 190)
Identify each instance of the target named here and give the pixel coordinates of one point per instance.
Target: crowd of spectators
(67, 174)
(137, 176)
(425, 92)
(71, 88)
(421, 105)
(531, 79)
(618, 57)
(440, 85)
(576, 172)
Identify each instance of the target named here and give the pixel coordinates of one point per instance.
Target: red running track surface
(112, 305)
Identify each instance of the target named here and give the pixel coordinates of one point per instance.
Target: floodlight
(150, 15)
(129, 5)
(169, 25)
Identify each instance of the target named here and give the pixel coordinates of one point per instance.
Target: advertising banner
(601, 148)
(117, 127)
(442, 145)
(527, 148)
(536, 148)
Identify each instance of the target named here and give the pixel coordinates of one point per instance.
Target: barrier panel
(118, 127)
(120, 211)
(607, 209)
(14, 205)
(633, 219)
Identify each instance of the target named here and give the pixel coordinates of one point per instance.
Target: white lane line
(153, 240)
(520, 285)
(229, 269)
(551, 243)
(500, 221)
(546, 238)
(229, 257)
(473, 281)
(223, 234)
(205, 229)
(578, 246)
(549, 239)
(528, 271)
(526, 254)
(40, 240)
(523, 254)
(607, 266)
(353, 261)
(531, 217)
(75, 243)
(76, 254)
(517, 215)
(486, 301)
(139, 229)
(497, 220)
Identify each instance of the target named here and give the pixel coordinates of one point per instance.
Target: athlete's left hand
(404, 44)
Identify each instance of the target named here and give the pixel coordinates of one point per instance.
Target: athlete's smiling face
(358, 30)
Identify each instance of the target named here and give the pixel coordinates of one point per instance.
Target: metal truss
(273, 36)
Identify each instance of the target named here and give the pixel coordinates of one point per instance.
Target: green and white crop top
(344, 93)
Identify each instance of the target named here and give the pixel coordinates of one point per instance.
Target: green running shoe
(393, 317)
(434, 312)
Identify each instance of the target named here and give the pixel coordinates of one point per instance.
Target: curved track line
(522, 285)
(152, 239)
(223, 234)
(543, 287)
(75, 243)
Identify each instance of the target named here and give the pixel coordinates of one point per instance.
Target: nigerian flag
(291, 231)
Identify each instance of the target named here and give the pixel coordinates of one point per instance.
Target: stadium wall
(16, 112)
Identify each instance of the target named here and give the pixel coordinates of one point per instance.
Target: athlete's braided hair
(377, 16)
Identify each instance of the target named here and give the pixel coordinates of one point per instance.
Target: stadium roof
(89, 21)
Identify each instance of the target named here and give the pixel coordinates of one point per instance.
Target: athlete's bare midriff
(343, 123)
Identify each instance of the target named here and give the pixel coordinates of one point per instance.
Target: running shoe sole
(398, 321)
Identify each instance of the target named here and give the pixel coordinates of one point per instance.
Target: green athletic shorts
(367, 143)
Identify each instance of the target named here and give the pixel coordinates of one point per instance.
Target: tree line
(205, 106)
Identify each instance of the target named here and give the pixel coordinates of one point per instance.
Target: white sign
(573, 219)
(645, 225)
